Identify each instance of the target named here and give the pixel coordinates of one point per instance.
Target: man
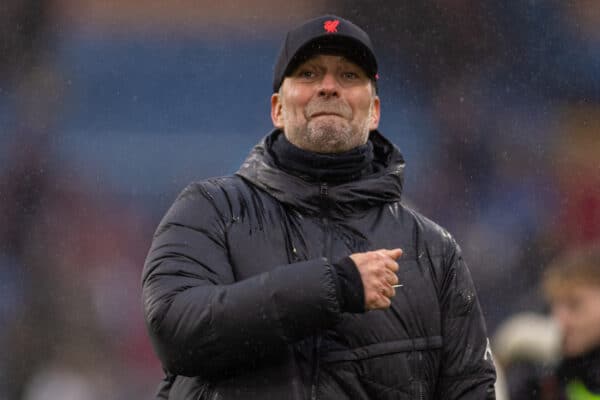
(572, 286)
(282, 281)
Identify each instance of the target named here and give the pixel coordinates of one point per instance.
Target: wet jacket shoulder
(241, 297)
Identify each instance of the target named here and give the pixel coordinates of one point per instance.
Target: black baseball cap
(327, 34)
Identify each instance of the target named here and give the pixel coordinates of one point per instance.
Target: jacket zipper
(323, 193)
(316, 365)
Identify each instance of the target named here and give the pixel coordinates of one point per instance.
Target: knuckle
(371, 298)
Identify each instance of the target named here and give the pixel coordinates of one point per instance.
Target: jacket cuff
(350, 286)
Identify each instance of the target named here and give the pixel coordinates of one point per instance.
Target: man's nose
(329, 86)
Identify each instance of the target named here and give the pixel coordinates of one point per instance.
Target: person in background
(572, 287)
(304, 276)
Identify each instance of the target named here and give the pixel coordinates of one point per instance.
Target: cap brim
(342, 45)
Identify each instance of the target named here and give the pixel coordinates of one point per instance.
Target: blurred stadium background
(108, 108)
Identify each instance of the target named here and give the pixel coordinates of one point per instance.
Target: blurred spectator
(558, 357)
(572, 286)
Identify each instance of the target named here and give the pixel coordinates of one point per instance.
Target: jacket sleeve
(468, 370)
(202, 322)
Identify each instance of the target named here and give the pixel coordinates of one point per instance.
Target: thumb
(393, 253)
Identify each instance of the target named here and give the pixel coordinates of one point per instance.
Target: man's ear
(375, 114)
(276, 111)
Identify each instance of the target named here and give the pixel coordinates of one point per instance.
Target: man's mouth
(325, 114)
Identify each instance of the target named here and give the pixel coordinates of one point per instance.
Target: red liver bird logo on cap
(331, 25)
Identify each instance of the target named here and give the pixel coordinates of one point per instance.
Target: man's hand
(378, 273)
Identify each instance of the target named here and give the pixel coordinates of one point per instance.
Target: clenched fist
(378, 273)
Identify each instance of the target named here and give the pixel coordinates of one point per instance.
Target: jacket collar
(336, 200)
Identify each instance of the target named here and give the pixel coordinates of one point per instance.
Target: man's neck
(336, 168)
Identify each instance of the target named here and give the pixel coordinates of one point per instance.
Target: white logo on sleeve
(488, 351)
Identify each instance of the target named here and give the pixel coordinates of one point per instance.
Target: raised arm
(201, 321)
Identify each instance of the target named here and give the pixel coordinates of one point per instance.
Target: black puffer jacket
(241, 300)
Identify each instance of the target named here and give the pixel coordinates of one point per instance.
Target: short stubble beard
(330, 134)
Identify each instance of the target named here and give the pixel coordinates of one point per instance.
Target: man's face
(327, 105)
(577, 310)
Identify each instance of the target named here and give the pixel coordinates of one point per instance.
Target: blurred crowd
(495, 105)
